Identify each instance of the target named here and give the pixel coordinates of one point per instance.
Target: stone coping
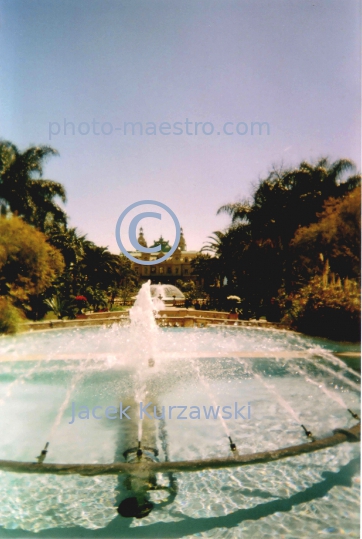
(80, 322)
(166, 318)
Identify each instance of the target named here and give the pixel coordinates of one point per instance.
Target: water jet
(290, 379)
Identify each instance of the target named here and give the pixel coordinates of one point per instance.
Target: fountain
(167, 293)
(227, 428)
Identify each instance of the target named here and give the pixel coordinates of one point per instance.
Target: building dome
(141, 239)
(182, 242)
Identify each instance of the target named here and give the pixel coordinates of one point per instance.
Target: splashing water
(191, 365)
(336, 374)
(330, 394)
(145, 332)
(211, 396)
(74, 383)
(144, 335)
(337, 398)
(144, 329)
(19, 380)
(280, 399)
(329, 356)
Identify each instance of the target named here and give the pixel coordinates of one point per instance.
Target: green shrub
(10, 316)
(62, 307)
(326, 310)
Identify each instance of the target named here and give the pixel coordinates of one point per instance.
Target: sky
(292, 65)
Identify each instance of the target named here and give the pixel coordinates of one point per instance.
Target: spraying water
(74, 383)
(302, 372)
(144, 335)
(336, 374)
(145, 332)
(329, 356)
(18, 380)
(211, 396)
(144, 329)
(320, 385)
(280, 399)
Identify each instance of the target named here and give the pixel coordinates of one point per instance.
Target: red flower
(80, 298)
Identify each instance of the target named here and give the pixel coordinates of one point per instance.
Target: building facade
(178, 266)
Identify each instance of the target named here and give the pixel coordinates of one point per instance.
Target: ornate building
(178, 266)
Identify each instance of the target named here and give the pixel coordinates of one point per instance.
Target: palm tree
(101, 266)
(61, 306)
(23, 189)
(256, 248)
(71, 245)
(238, 211)
(214, 245)
(288, 199)
(73, 248)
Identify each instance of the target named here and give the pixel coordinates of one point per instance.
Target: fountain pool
(285, 380)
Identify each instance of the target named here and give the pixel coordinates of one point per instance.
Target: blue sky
(293, 64)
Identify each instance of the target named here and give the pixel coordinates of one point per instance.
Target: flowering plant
(80, 298)
(81, 303)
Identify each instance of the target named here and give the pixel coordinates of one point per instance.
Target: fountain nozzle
(151, 362)
(232, 445)
(43, 454)
(139, 450)
(354, 415)
(307, 432)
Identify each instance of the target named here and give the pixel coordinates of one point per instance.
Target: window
(153, 270)
(176, 271)
(186, 272)
(145, 270)
(161, 270)
(186, 260)
(169, 270)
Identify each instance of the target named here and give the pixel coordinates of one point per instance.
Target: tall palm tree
(291, 198)
(69, 242)
(101, 266)
(257, 245)
(23, 189)
(73, 248)
(213, 246)
(238, 211)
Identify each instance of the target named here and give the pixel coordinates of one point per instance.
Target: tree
(90, 270)
(68, 242)
(10, 316)
(334, 238)
(101, 267)
(288, 199)
(210, 273)
(62, 307)
(73, 248)
(191, 290)
(28, 264)
(326, 309)
(128, 282)
(24, 192)
(207, 268)
(256, 250)
(96, 297)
